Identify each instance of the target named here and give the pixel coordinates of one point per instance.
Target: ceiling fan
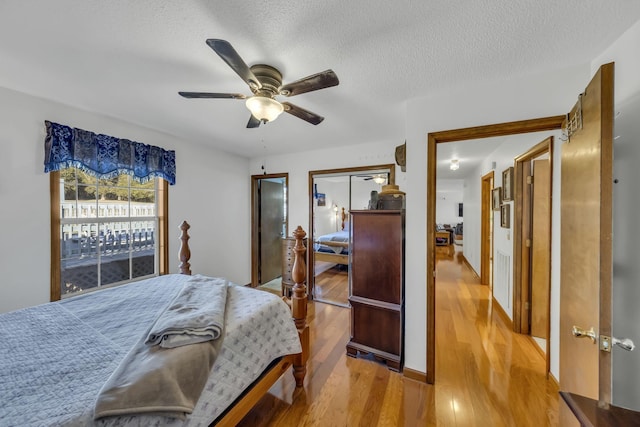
(379, 178)
(265, 83)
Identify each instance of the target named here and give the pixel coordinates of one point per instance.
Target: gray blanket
(157, 381)
(195, 315)
(168, 378)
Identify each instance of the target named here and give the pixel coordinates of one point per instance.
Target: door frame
(310, 234)
(486, 231)
(521, 279)
(255, 206)
(433, 139)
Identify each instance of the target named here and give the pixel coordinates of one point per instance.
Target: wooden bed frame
(333, 257)
(298, 305)
(342, 259)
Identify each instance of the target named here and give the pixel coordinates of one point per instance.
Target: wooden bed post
(185, 252)
(299, 306)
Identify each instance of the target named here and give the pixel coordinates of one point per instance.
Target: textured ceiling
(128, 59)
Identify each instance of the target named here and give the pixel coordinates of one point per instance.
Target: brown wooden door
(586, 257)
(486, 231)
(540, 249)
(271, 229)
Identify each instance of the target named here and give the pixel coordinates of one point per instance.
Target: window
(105, 232)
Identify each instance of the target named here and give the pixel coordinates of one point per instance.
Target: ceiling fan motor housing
(269, 77)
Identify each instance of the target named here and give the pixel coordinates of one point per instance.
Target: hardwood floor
(332, 285)
(485, 374)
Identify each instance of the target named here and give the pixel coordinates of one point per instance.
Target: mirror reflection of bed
(334, 194)
(331, 267)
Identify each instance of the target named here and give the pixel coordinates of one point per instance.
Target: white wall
(207, 181)
(336, 189)
(626, 203)
(361, 193)
(325, 216)
(624, 52)
(504, 156)
(471, 193)
(448, 195)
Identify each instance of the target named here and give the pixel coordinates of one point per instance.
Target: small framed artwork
(496, 198)
(505, 214)
(507, 184)
(322, 199)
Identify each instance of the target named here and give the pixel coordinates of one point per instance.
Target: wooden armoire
(376, 285)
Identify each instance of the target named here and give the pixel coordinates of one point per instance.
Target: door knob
(582, 333)
(624, 343)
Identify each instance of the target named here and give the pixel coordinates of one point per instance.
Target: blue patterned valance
(105, 156)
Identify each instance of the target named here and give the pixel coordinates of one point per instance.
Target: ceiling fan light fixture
(454, 166)
(379, 179)
(264, 108)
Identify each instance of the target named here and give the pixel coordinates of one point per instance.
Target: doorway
(333, 193)
(532, 245)
(433, 139)
(269, 225)
(486, 233)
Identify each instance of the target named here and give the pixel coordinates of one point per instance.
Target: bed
(333, 247)
(59, 361)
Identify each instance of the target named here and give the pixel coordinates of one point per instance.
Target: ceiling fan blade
(303, 114)
(317, 81)
(253, 122)
(212, 95)
(229, 55)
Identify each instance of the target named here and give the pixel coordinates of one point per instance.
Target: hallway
(485, 373)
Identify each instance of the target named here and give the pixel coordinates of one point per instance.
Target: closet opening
(332, 194)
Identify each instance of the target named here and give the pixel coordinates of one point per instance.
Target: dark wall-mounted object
(401, 156)
(373, 201)
(496, 198)
(507, 184)
(505, 215)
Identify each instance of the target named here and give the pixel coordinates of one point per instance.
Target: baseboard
(537, 347)
(466, 261)
(553, 380)
(503, 314)
(414, 375)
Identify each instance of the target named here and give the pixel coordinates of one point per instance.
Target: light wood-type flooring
(485, 374)
(332, 285)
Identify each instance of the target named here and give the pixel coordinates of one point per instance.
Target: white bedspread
(338, 236)
(54, 358)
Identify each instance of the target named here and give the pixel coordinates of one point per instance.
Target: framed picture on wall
(322, 199)
(505, 214)
(507, 184)
(496, 198)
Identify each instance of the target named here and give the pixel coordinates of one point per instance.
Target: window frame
(163, 228)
